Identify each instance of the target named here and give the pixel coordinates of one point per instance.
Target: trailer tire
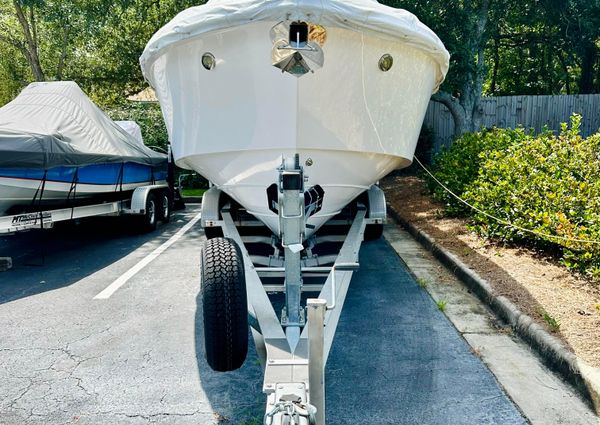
(147, 222)
(164, 209)
(373, 232)
(224, 301)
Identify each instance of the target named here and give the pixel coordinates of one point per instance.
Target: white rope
(499, 220)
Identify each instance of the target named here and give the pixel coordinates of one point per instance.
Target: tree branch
(456, 109)
(63, 52)
(14, 43)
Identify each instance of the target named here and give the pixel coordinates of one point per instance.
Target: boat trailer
(293, 348)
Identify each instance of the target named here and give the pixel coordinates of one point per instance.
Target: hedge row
(547, 186)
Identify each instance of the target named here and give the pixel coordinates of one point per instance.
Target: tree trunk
(30, 33)
(457, 110)
(63, 53)
(496, 65)
(588, 61)
(565, 68)
(465, 109)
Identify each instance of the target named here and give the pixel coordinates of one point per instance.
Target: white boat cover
(133, 129)
(359, 15)
(55, 124)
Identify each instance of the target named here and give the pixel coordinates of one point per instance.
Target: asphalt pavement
(137, 357)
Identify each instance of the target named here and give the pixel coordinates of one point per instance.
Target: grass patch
(441, 305)
(422, 282)
(188, 193)
(551, 321)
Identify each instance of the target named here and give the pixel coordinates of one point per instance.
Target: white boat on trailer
(293, 110)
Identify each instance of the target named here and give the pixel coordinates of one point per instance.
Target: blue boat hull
(31, 188)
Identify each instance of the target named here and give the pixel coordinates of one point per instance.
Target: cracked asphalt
(137, 358)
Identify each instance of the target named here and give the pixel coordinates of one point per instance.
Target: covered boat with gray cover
(57, 147)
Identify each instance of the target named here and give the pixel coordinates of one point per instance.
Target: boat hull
(23, 189)
(233, 124)
(343, 175)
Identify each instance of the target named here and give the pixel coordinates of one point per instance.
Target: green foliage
(455, 22)
(458, 166)
(12, 74)
(540, 47)
(96, 43)
(551, 321)
(196, 193)
(441, 305)
(422, 282)
(149, 117)
(190, 180)
(548, 185)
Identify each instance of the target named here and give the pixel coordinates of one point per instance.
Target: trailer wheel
(165, 207)
(224, 301)
(373, 232)
(147, 222)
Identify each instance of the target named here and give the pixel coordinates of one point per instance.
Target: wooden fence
(527, 111)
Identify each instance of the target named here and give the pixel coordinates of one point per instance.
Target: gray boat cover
(55, 124)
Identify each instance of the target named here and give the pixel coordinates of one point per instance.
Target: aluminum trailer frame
(294, 350)
(136, 205)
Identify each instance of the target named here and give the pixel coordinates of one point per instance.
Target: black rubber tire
(225, 305)
(373, 232)
(147, 222)
(164, 207)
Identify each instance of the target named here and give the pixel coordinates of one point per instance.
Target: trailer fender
(377, 206)
(140, 197)
(210, 207)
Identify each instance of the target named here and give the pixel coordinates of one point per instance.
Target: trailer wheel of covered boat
(165, 206)
(224, 303)
(147, 221)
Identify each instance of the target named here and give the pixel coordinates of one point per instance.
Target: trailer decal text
(31, 219)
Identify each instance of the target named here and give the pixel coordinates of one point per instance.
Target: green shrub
(458, 166)
(148, 116)
(549, 185)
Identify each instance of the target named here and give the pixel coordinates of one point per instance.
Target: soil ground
(535, 282)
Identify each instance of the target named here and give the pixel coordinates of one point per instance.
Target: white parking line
(113, 287)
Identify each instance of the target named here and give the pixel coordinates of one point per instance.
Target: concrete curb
(583, 377)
